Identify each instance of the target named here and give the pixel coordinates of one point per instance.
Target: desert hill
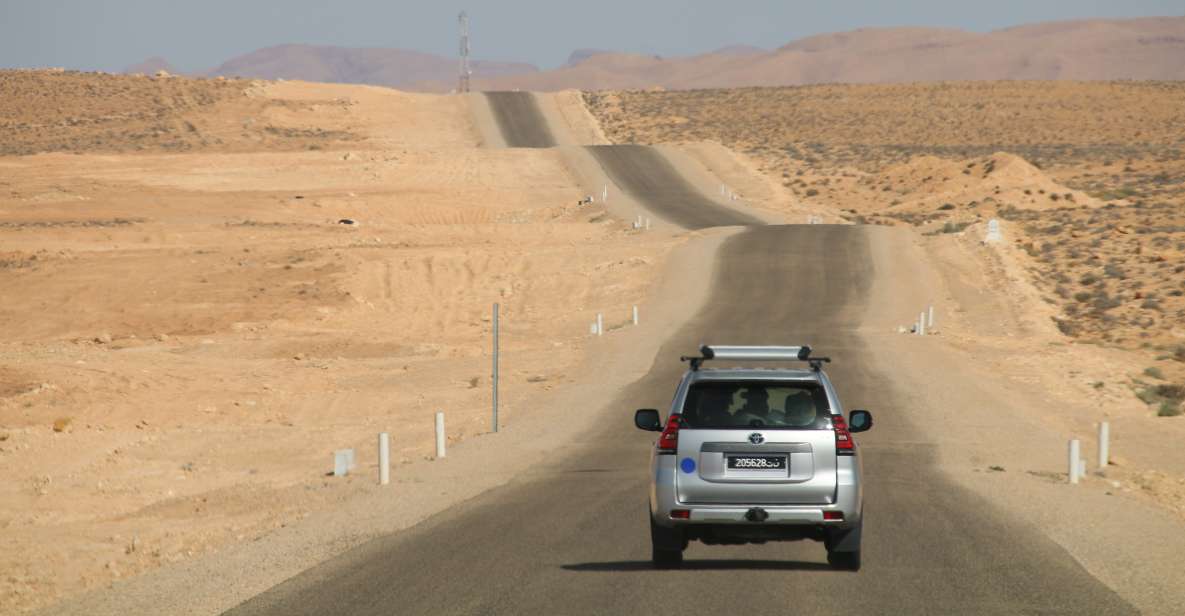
(150, 66)
(1088, 50)
(1149, 48)
(398, 68)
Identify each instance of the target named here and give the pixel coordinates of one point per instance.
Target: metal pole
(384, 458)
(1074, 468)
(1104, 445)
(463, 79)
(439, 435)
(494, 380)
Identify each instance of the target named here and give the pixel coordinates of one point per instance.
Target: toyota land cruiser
(751, 455)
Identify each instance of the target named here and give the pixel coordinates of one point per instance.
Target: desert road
(571, 536)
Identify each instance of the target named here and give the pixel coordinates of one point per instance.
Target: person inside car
(755, 411)
(800, 409)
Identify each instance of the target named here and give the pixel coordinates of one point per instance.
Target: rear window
(750, 404)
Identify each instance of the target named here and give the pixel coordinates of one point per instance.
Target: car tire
(844, 561)
(666, 546)
(843, 547)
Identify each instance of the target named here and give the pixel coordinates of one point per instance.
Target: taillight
(668, 441)
(844, 445)
(833, 516)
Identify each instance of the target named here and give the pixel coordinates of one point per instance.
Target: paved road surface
(646, 175)
(571, 537)
(520, 120)
(640, 170)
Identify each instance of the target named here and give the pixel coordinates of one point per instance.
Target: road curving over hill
(520, 120)
(570, 536)
(643, 172)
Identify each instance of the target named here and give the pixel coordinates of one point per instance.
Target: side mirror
(648, 419)
(859, 421)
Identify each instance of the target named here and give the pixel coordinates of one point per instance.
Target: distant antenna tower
(463, 85)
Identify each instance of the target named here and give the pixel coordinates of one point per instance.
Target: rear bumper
(848, 500)
(737, 514)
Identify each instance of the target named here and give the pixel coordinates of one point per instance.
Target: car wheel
(845, 561)
(666, 546)
(666, 559)
(843, 547)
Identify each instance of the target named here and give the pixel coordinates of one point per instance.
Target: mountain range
(1146, 48)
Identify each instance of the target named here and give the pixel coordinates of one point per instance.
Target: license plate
(757, 463)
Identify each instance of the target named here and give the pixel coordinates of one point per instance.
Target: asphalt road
(646, 175)
(571, 536)
(639, 170)
(520, 120)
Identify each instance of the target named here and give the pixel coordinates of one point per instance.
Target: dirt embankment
(195, 319)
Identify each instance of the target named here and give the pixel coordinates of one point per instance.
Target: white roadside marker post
(605, 194)
(993, 232)
(635, 315)
(930, 317)
(1104, 445)
(494, 379)
(439, 435)
(1074, 466)
(384, 458)
(922, 324)
(600, 324)
(647, 224)
(341, 463)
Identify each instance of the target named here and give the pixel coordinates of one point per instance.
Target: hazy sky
(200, 34)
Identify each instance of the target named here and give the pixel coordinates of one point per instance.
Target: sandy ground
(276, 366)
(188, 336)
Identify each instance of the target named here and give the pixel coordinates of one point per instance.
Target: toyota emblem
(756, 438)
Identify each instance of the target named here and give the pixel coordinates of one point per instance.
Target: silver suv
(751, 455)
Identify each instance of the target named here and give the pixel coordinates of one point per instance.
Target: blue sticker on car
(688, 465)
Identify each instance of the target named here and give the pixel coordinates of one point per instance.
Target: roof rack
(756, 353)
